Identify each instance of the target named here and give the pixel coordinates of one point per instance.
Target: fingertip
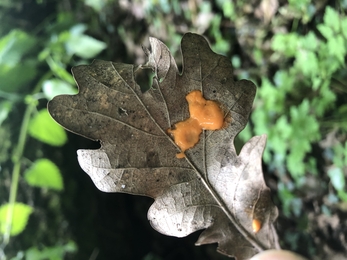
(277, 255)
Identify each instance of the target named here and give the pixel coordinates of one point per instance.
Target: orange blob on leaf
(204, 115)
(207, 112)
(256, 225)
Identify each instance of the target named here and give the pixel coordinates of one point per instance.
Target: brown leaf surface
(213, 188)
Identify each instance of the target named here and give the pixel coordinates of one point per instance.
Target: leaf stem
(258, 245)
(230, 216)
(16, 159)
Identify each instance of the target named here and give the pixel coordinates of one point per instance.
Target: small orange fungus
(204, 115)
(256, 225)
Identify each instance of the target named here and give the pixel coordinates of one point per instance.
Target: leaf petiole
(17, 156)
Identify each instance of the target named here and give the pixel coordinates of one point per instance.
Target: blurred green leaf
(5, 145)
(286, 196)
(21, 213)
(285, 43)
(295, 162)
(296, 137)
(228, 9)
(45, 174)
(15, 72)
(59, 70)
(331, 18)
(14, 45)
(9, 3)
(344, 154)
(51, 253)
(337, 178)
(97, 5)
(236, 61)
(342, 195)
(325, 30)
(54, 87)
(308, 42)
(284, 81)
(306, 62)
(45, 129)
(344, 27)
(5, 108)
(272, 96)
(221, 45)
(337, 48)
(165, 6)
(83, 45)
(15, 78)
(77, 29)
(299, 4)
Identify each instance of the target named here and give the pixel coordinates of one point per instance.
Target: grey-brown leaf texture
(213, 188)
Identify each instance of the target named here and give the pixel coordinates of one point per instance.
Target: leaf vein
(145, 108)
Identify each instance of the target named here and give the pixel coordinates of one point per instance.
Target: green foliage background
(295, 51)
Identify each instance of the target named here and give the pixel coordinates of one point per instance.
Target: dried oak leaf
(212, 188)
